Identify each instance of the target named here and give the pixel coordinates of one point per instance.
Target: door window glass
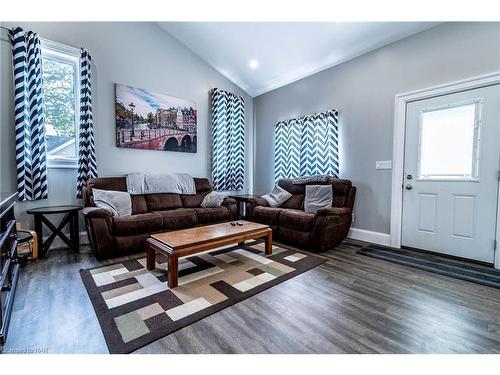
(449, 142)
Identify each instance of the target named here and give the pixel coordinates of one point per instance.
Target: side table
(242, 200)
(70, 217)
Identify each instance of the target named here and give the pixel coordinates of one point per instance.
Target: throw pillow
(318, 196)
(213, 199)
(116, 202)
(308, 179)
(277, 197)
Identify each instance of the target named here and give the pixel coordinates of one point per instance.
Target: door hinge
(494, 244)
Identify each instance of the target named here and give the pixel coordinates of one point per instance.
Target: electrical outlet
(384, 164)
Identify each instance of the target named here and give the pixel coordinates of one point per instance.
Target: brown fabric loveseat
(116, 236)
(317, 232)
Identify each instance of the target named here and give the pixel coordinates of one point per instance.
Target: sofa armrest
(331, 226)
(232, 207)
(334, 211)
(258, 202)
(255, 202)
(99, 223)
(228, 201)
(89, 212)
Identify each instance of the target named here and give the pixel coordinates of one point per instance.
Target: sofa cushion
(266, 215)
(178, 219)
(202, 184)
(212, 215)
(341, 189)
(139, 205)
(137, 224)
(163, 201)
(296, 219)
(296, 202)
(192, 201)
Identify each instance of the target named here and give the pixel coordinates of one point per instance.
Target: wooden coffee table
(181, 243)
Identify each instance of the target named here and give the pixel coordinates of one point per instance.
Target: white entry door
(450, 185)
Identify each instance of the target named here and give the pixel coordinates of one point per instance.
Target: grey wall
(363, 90)
(135, 54)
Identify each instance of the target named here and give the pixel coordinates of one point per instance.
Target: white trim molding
(369, 236)
(400, 103)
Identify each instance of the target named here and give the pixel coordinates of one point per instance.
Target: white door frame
(398, 147)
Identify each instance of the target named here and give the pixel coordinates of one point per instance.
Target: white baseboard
(84, 239)
(369, 236)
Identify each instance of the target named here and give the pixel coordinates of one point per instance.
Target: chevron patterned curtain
(287, 149)
(307, 146)
(228, 140)
(29, 116)
(87, 166)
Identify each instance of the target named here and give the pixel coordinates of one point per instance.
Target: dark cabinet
(8, 261)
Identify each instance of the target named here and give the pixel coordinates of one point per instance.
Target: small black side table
(243, 200)
(70, 217)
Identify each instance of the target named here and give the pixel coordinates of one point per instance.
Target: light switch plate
(383, 164)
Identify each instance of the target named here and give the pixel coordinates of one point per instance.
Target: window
(449, 142)
(61, 81)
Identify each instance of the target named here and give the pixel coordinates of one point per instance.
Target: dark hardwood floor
(350, 304)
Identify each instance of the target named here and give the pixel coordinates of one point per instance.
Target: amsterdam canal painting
(151, 121)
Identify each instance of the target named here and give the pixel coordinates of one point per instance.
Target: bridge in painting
(155, 139)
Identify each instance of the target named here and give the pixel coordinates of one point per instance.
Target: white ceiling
(285, 51)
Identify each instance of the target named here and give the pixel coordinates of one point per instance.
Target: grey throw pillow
(318, 196)
(277, 197)
(213, 199)
(116, 202)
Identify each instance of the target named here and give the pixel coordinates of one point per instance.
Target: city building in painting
(152, 121)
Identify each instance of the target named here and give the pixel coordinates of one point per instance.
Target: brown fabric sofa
(116, 236)
(317, 232)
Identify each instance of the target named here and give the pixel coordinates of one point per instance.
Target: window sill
(62, 165)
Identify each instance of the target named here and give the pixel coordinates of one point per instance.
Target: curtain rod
(45, 40)
(311, 115)
(229, 92)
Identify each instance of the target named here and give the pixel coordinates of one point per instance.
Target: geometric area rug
(135, 307)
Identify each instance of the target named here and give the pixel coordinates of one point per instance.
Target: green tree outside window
(59, 96)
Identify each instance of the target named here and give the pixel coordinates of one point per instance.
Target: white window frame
(474, 176)
(66, 54)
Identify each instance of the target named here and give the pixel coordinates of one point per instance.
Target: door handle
(408, 187)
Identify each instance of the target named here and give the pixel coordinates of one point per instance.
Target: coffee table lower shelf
(174, 253)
